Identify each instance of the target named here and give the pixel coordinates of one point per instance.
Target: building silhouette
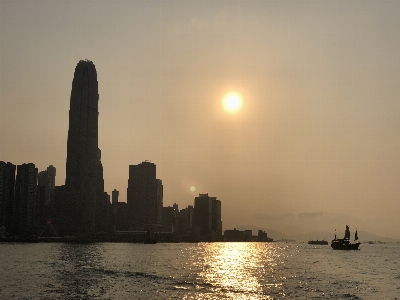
(44, 195)
(115, 195)
(51, 171)
(7, 194)
(207, 216)
(25, 199)
(145, 196)
(169, 217)
(101, 198)
(81, 182)
(44, 180)
(185, 222)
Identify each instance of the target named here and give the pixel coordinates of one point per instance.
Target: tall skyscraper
(82, 152)
(145, 195)
(7, 188)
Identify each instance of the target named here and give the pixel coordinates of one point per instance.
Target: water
(198, 271)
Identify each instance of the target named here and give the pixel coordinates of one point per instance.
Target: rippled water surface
(198, 271)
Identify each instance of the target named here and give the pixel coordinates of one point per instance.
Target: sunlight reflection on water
(241, 268)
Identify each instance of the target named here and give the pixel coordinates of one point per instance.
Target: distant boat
(371, 242)
(344, 243)
(317, 242)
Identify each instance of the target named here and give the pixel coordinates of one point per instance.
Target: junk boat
(317, 242)
(344, 243)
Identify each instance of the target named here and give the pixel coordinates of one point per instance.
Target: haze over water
(198, 271)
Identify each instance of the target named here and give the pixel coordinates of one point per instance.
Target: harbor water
(198, 271)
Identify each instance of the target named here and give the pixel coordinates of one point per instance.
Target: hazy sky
(315, 146)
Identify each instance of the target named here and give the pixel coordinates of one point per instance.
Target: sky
(314, 146)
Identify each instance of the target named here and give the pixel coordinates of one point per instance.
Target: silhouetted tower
(203, 213)
(145, 194)
(44, 180)
(25, 198)
(115, 195)
(100, 197)
(52, 173)
(82, 150)
(207, 215)
(7, 199)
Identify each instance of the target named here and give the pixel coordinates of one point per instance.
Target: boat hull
(341, 244)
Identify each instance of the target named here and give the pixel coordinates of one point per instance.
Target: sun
(232, 102)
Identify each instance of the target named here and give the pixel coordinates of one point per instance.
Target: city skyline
(314, 145)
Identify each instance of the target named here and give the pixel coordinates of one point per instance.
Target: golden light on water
(241, 268)
(232, 102)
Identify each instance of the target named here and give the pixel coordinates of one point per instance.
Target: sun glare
(232, 102)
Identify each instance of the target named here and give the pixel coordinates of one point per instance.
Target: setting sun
(232, 102)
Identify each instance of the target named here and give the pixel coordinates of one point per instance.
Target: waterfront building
(263, 237)
(115, 196)
(44, 180)
(101, 202)
(216, 221)
(82, 152)
(185, 221)
(51, 171)
(7, 194)
(238, 235)
(120, 216)
(25, 199)
(144, 196)
(107, 213)
(245, 236)
(58, 208)
(170, 218)
(207, 215)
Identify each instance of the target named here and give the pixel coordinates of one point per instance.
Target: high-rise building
(207, 215)
(216, 217)
(169, 217)
(58, 209)
(115, 195)
(7, 188)
(203, 213)
(145, 195)
(101, 217)
(25, 199)
(52, 173)
(44, 180)
(185, 221)
(45, 194)
(160, 200)
(82, 152)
